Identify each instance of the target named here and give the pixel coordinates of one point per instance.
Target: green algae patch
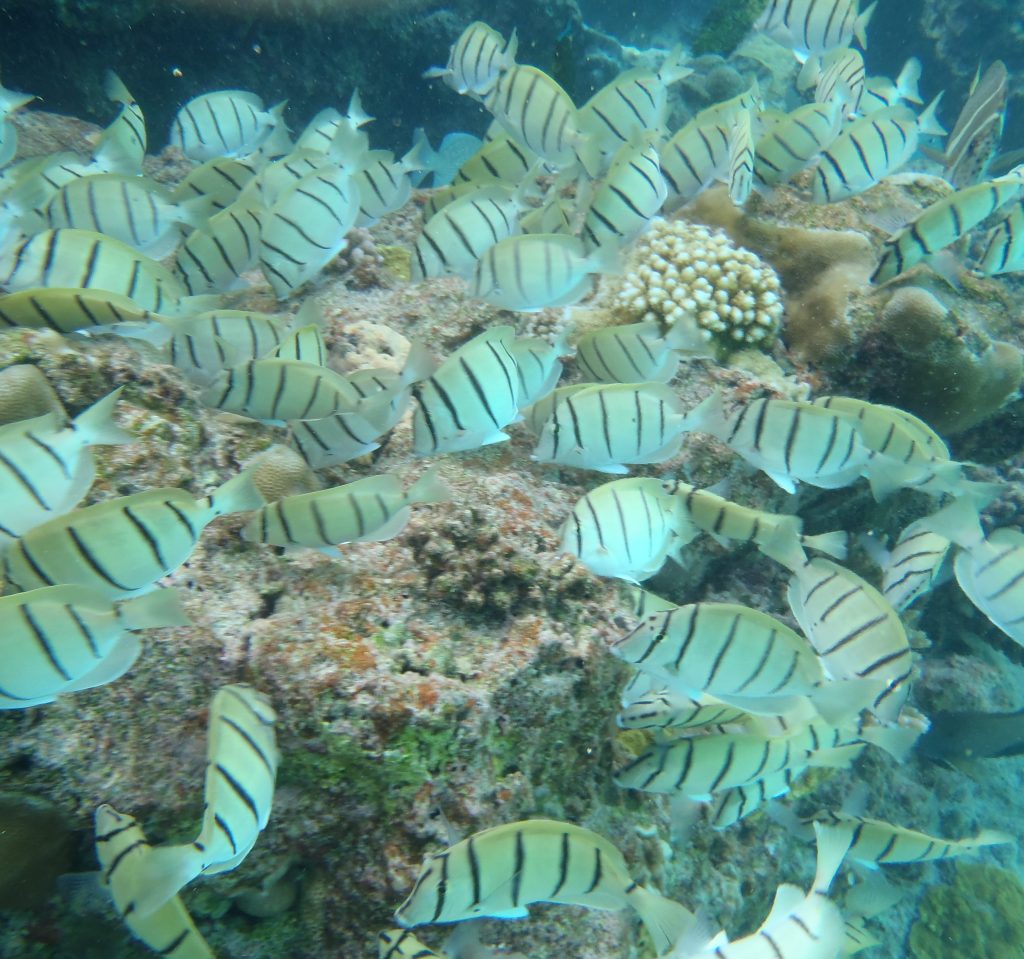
(979, 914)
(726, 24)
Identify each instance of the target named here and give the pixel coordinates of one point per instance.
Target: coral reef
(726, 24)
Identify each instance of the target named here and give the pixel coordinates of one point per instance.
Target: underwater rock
(726, 24)
(35, 848)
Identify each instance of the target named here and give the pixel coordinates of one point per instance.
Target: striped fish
(736, 654)
(605, 426)
(628, 197)
(80, 259)
(695, 156)
(122, 145)
(991, 573)
(632, 104)
(914, 565)
(944, 222)
(725, 112)
(870, 149)
(367, 511)
(30, 184)
(220, 181)
(46, 466)
(477, 59)
(122, 547)
(279, 391)
(875, 842)
(777, 535)
(979, 128)
(454, 239)
(811, 28)
(700, 766)
(213, 258)
(68, 311)
(501, 871)
(538, 270)
(383, 183)
(854, 630)
(502, 158)
(537, 112)
(842, 78)
(439, 199)
(538, 366)
(402, 944)
(635, 353)
(791, 441)
(627, 529)
(226, 123)
(1003, 246)
(792, 142)
(305, 344)
(729, 807)
(306, 227)
(334, 439)
(881, 92)
(329, 129)
(470, 398)
(241, 769)
(123, 854)
(668, 709)
(741, 159)
(283, 174)
(131, 209)
(557, 214)
(61, 639)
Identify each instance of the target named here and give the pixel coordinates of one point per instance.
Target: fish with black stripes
(794, 140)
(734, 805)
(369, 510)
(225, 123)
(791, 441)
(669, 709)
(61, 639)
(627, 529)
(384, 183)
(220, 181)
(502, 158)
(881, 92)
(1003, 244)
(123, 546)
(241, 770)
(842, 78)
(122, 145)
(635, 352)
(538, 366)
(333, 133)
(693, 158)
(402, 944)
(471, 397)
(46, 464)
(123, 853)
(476, 60)
(499, 872)
(71, 310)
(914, 565)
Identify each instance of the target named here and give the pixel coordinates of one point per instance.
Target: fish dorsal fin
(787, 898)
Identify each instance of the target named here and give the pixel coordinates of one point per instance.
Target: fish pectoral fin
(113, 666)
(616, 469)
(782, 481)
(517, 912)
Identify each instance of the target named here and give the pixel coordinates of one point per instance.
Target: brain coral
(681, 272)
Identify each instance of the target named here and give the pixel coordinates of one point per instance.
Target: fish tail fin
(833, 544)
(114, 88)
(588, 151)
(993, 837)
(163, 873)
(860, 25)
(419, 364)
(237, 495)
(672, 68)
(666, 920)
(784, 544)
(508, 55)
(10, 100)
(97, 425)
(605, 259)
(708, 416)
(356, 115)
(839, 757)
(684, 335)
(840, 700)
(195, 211)
(809, 73)
(277, 112)
(309, 314)
(906, 82)
(429, 488)
(928, 122)
(162, 607)
(434, 73)
(896, 740)
(833, 844)
(420, 156)
(958, 522)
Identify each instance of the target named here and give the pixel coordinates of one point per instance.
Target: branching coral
(684, 273)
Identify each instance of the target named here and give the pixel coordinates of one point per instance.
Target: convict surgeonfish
(944, 222)
(668, 709)
(607, 425)
(539, 270)
(626, 528)
(470, 398)
(854, 630)
(61, 639)
(502, 158)
(46, 465)
(793, 141)
(384, 184)
(729, 807)
(367, 511)
(333, 133)
(1003, 247)
(402, 944)
(226, 123)
(219, 181)
(741, 159)
(123, 853)
(122, 145)
(538, 366)
(501, 871)
(477, 59)
(881, 92)
(842, 79)
(10, 103)
(979, 128)
(870, 149)
(914, 564)
(635, 353)
(875, 842)
(777, 535)
(791, 441)
(68, 311)
(241, 769)
(81, 259)
(123, 546)
(693, 158)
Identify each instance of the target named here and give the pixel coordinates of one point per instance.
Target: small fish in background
(122, 145)
(914, 565)
(636, 352)
(61, 639)
(501, 158)
(842, 78)
(626, 529)
(476, 60)
(220, 180)
(445, 162)
(499, 872)
(1003, 245)
(369, 510)
(979, 128)
(959, 738)
(881, 92)
(331, 132)
(123, 854)
(384, 183)
(225, 123)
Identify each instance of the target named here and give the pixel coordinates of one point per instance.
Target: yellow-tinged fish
(944, 222)
(334, 439)
(793, 141)
(226, 123)
(854, 629)
(123, 853)
(791, 441)
(440, 198)
(1004, 244)
(220, 181)
(470, 398)
(369, 510)
(502, 158)
(695, 156)
(68, 311)
(477, 59)
(46, 465)
(539, 270)
(81, 259)
(241, 769)
(729, 807)
(331, 130)
(626, 528)
(668, 709)
(122, 145)
(383, 183)
(123, 546)
(305, 344)
(402, 944)
(914, 565)
(501, 871)
(842, 78)
(635, 353)
(604, 426)
(61, 639)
